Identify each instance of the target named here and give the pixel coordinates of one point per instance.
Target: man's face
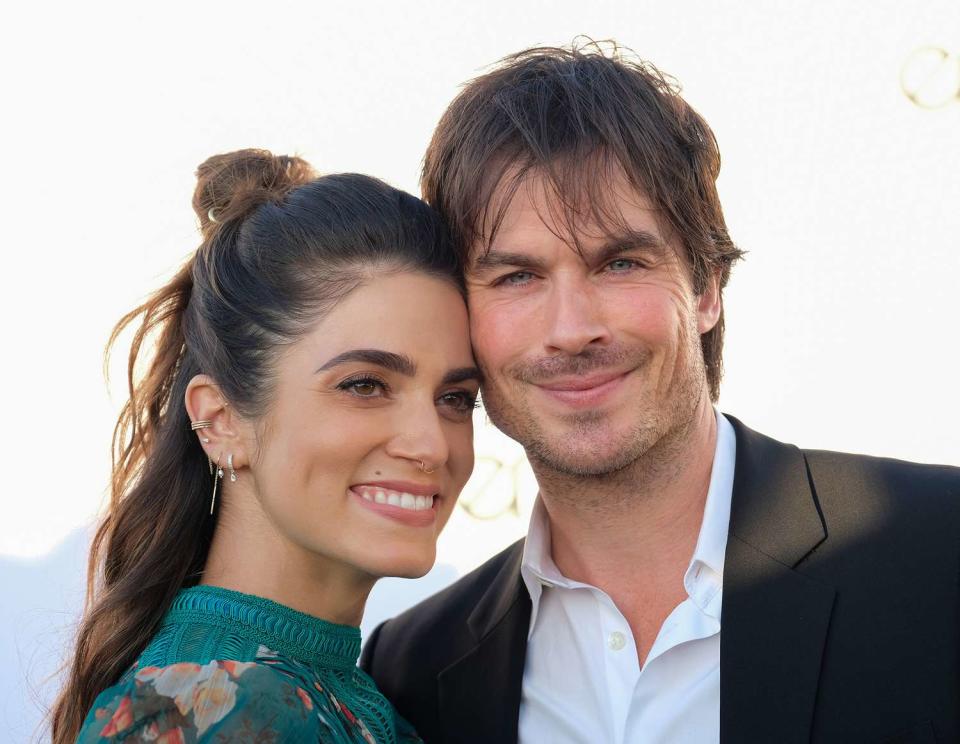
(589, 360)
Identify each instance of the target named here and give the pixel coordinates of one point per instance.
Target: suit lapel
(774, 619)
(479, 695)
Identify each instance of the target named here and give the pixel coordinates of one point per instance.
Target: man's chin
(577, 460)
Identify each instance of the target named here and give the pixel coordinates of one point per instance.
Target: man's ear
(709, 305)
(221, 436)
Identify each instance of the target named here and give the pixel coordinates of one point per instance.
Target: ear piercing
(203, 424)
(217, 476)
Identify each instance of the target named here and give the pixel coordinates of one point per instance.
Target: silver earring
(206, 440)
(233, 473)
(217, 476)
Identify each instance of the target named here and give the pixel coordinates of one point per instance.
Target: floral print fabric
(269, 699)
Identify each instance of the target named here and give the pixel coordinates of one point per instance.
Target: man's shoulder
(882, 465)
(820, 504)
(885, 477)
(857, 474)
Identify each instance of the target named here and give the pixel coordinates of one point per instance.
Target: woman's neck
(255, 559)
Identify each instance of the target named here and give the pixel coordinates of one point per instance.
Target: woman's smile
(407, 503)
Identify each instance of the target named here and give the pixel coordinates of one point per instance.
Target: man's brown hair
(577, 117)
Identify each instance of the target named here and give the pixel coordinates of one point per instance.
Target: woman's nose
(420, 438)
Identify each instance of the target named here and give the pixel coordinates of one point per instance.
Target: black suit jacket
(840, 619)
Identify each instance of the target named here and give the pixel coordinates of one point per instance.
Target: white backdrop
(842, 322)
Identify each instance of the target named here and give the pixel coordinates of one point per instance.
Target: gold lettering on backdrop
(498, 487)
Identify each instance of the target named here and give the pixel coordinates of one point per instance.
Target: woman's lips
(408, 503)
(584, 391)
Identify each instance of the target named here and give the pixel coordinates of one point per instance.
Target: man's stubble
(582, 452)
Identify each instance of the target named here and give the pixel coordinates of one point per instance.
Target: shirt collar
(704, 577)
(703, 580)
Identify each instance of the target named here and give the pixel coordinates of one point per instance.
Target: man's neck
(645, 519)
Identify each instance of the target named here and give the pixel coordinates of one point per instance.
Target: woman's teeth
(396, 498)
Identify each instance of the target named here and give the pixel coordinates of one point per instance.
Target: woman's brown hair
(279, 247)
(577, 117)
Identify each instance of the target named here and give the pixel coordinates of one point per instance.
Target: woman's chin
(403, 565)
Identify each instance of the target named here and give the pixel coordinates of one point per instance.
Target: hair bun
(233, 184)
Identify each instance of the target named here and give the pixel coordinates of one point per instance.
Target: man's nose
(575, 317)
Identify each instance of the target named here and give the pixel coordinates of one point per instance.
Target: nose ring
(423, 467)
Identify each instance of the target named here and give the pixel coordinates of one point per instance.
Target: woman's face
(383, 383)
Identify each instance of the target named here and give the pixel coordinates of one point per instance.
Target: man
(684, 579)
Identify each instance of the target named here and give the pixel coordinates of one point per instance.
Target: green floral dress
(230, 667)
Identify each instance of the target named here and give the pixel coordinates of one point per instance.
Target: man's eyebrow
(614, 246)
(496, 259)
(634, 240)
(462, 374)
(399, 363)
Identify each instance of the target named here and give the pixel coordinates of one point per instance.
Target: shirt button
(617, 640)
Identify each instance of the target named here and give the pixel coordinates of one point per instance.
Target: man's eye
(622, 264)
(516, 278)
(363, 387)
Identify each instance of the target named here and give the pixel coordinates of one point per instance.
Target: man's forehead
(583, 212)
(531, 221)
(579, 185)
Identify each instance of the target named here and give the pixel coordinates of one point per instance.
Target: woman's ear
(220, 426)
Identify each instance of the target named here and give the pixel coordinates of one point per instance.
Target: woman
(303, 427)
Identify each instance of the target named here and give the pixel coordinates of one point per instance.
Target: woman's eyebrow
(462, 374)
(399, 363)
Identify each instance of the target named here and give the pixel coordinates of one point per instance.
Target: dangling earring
(217, 476)
(233, 473)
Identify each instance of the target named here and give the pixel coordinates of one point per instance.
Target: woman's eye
(363, 387)
(460, 401)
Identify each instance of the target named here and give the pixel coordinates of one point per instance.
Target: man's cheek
(489, 335)
(497, 351)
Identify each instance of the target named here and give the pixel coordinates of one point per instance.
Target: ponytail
(154, 537)
(156, 534)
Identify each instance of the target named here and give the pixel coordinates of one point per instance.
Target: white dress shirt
(582, 682)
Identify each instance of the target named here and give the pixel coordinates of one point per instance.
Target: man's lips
(575, 383)
(583, 391)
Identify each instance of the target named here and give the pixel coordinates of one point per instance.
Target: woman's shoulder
(188, 702)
